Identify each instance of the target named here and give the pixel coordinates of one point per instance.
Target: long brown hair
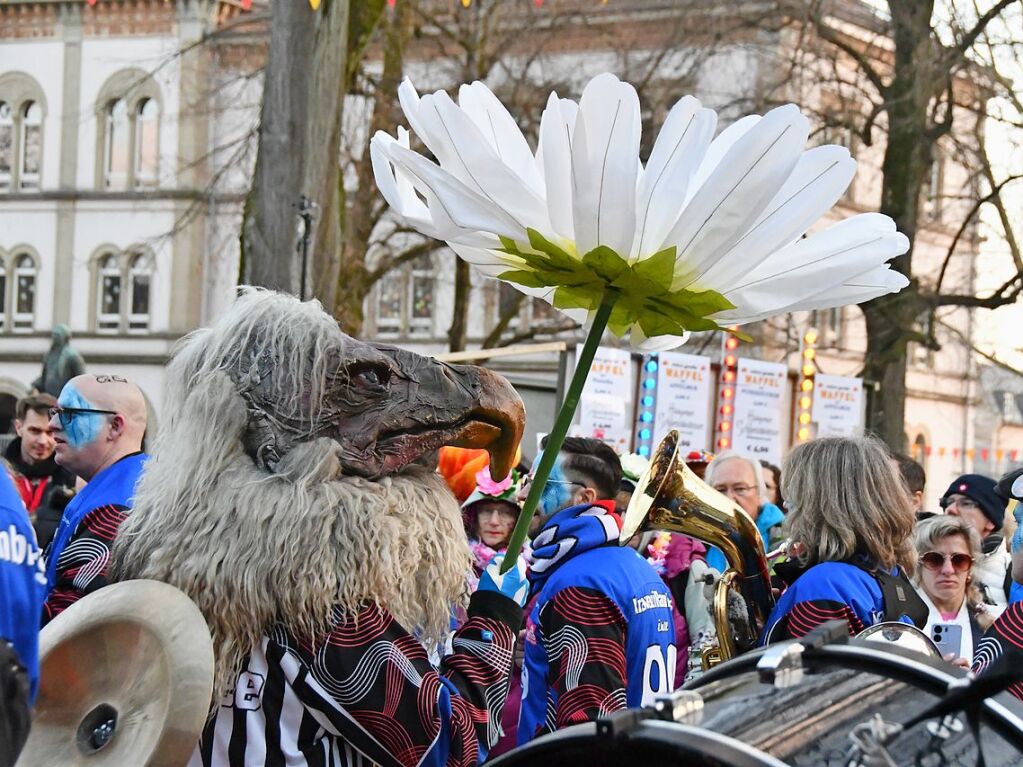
(845, 500)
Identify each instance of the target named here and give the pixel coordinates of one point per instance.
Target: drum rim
(1001, 712)
(714, 744)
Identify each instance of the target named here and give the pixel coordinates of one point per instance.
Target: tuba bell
(669, 496)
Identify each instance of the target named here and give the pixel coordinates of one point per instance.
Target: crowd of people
(600, 626)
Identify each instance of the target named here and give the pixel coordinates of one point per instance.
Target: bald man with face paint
(98, 426)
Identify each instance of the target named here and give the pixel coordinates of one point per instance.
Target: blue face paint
(84, 427)
(558, 492)
(1017, 537)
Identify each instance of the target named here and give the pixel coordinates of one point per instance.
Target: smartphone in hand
(948, 637)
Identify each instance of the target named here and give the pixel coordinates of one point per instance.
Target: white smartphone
(948, 637)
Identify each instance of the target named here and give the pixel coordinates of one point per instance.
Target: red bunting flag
(955, 452)
(984, 454)
(928, 450)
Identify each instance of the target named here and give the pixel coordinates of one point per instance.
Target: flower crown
(487, 488)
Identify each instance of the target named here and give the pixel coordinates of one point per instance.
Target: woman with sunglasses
(949, 548)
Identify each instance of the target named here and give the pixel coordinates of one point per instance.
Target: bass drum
(801, 714)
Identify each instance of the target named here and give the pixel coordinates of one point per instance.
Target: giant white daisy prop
(709, 233)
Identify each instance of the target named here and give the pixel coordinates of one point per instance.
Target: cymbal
(126, 675)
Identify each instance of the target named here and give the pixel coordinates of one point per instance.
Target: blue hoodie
(22, 581)
(770, 516)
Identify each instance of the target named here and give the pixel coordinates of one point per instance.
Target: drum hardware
(681, 706)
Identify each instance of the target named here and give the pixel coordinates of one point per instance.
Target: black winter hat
(981, 489)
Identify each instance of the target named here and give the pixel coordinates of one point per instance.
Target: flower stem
(560, 429)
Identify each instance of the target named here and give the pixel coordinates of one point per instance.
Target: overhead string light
(807, 371)
(645, 413)
(726, 395)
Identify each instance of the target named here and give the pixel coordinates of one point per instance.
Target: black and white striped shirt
(365, 694)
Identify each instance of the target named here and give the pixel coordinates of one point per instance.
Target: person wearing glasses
(742, 480)
(948, 548)
(600, 636)
(98, 426)
(972, 497)
(850, 525)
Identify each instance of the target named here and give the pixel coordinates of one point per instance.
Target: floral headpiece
(489, 489)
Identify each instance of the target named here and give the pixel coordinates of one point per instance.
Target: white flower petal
(555, 151)
(396, 188)
(466, 208)
(728, 203)
(605, 164)
(475, 159)
(718, 148)
(501, 132)
(820, 178)
(648, 345)
(677, 153)
(815, 265)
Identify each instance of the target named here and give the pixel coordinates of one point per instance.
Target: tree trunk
(890, 319)
(353, 278)
(300, 128)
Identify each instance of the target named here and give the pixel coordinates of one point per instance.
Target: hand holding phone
(948, 637)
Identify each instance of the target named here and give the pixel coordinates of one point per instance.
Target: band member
(849, 522)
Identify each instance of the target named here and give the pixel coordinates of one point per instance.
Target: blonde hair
(845, 500)
(930, 531)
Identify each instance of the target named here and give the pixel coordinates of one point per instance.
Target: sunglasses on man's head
(67, 414)
(934, 560)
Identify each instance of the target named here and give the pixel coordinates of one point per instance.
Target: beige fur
(253, 549)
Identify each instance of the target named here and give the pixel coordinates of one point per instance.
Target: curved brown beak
(496, 422)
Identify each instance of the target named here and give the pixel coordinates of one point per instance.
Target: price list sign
(838, 406)
(605, 405)
(759, 402)
(683, 399)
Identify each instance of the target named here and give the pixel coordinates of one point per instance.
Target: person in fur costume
(281, 499)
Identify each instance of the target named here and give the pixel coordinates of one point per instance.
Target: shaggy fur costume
(253, 548)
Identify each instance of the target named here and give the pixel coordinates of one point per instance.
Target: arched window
(421, 290)
(6, 145)
(147, 133)
(24, 292)
(115, 162)
(31, 144)
(128, 139)
(108, 295)
(22, 114)
(138, 298)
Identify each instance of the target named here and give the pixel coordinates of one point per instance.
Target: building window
(24, 292)
(31, 145)
(116, 155)
(22, 113)
(421, 289)
(128, 144)
(6, 145)
(108, 294)
(405, 299)
(933, 188)
(830, 324)
(139, 277)
(147, 133)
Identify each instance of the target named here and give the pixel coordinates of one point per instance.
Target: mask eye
(371, 377)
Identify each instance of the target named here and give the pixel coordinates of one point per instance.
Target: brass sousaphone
(669, 496)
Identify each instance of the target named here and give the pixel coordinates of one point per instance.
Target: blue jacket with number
(601, 635)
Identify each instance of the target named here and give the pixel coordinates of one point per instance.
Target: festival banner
(838, 406)
(759, 402)
(683, 399)
(605, 406)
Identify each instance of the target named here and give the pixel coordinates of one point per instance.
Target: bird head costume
(282, 486)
